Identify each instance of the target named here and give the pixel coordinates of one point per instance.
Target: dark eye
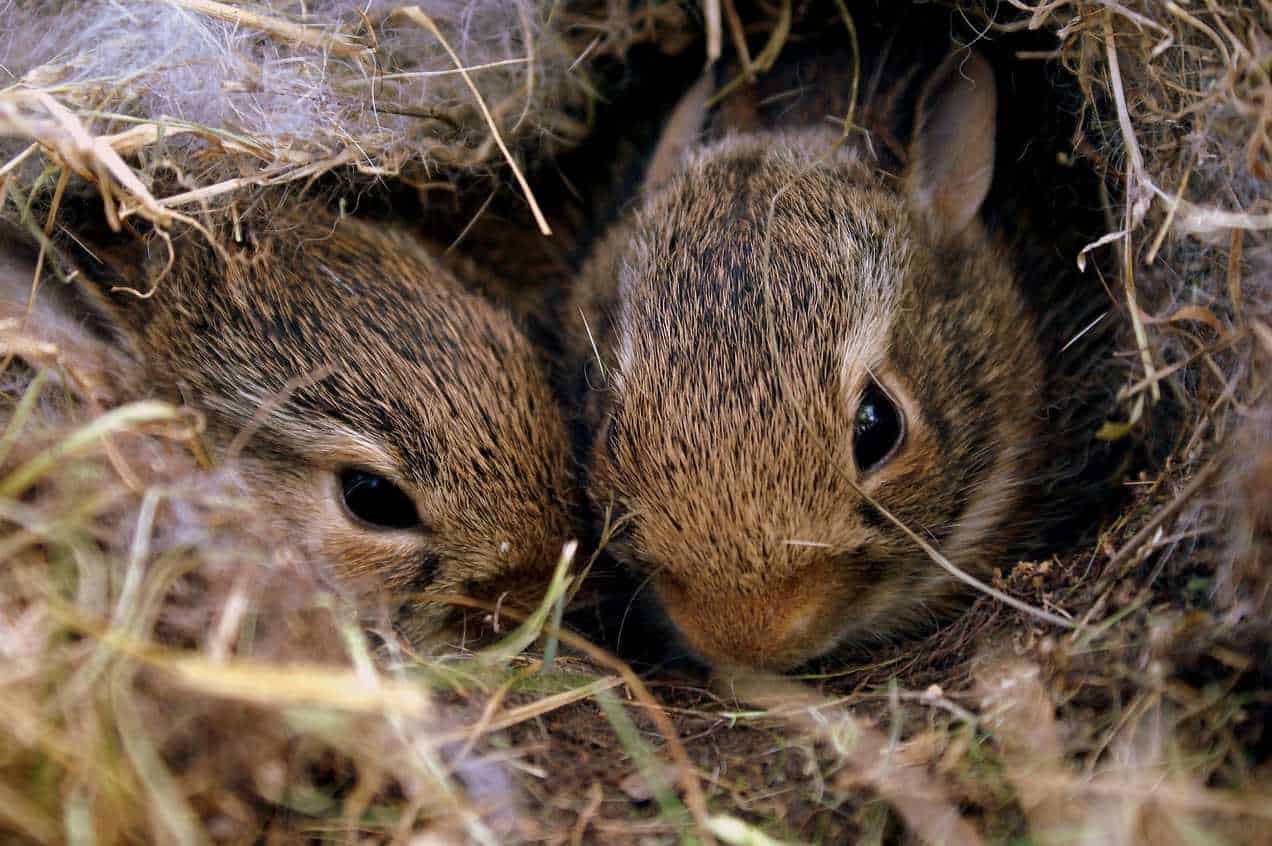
(876, 429)
(376, 501)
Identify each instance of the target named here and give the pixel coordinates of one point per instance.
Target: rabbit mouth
(776, 629)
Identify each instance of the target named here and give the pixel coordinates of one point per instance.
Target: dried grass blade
(26, 816)
(336, 44)
(715, 32)
(647, 763)
(1193, 219)
(1195, 485)
(739, 40)
(163, 792)
(1137, 199)
(533, 710)
(694, 796)
(79, 146)
(13, 163)
(22, 413)
(530, 629)
(84, 438)
(417, 15)
(294, 685)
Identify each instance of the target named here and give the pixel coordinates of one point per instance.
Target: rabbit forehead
(736, 345)
(410, 396)
(345, 335)
(805, 257)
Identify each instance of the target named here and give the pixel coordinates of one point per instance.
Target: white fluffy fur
(299, 102)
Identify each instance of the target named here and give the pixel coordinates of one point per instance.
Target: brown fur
(338, 344)
(726, 328)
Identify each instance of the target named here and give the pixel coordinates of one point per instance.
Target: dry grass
(171, 675)
(211, 101)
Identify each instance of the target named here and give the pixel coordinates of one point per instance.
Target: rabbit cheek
(378, 561)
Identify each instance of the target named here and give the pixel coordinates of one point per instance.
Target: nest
(172, 674)
(210, 101)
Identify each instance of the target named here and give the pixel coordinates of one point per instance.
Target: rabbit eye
(376, 501)
(876, 429)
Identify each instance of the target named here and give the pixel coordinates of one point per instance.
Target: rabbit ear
(952, 155)
(67, 321)
(681, 131)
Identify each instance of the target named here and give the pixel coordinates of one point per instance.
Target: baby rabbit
(399, 426)
(780, 334)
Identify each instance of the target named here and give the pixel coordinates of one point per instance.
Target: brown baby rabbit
(399, 426)
(780, 333)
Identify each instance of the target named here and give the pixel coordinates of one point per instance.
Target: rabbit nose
(771, 629)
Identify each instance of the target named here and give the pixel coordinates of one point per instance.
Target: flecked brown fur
(317, 344)
(726, 328)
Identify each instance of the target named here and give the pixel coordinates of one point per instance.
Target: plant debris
(172, 674)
